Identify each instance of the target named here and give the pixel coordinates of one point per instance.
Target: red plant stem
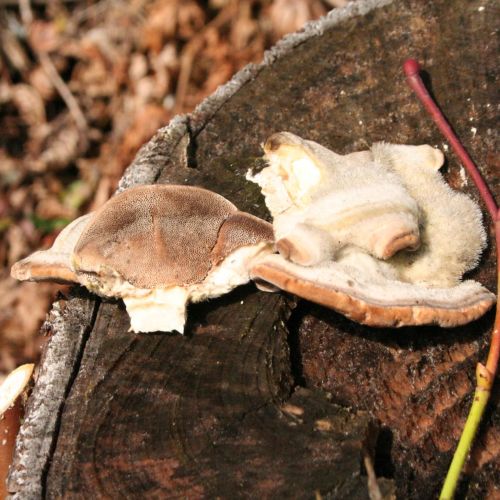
(412, 69)
(485, 374)
(494, 353)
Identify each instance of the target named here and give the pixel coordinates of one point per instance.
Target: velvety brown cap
(158, 235)
(240, 229)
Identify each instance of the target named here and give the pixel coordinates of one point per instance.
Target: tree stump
(268, 396)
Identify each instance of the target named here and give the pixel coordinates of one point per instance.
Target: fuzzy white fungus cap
(321, 202)
(380, 237)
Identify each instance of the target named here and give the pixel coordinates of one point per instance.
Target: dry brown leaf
(60, 148)
(138, 67)
(44, 36)
(290, 15)
(160, 25)
(18, 244)
(19, 198)
(190, 18)
(244, 28)
(39, 80)
(10, 170)
(29, 103)
(23, 308)
(13, 50)
(52, 208)
(92, 78)
(146, 122)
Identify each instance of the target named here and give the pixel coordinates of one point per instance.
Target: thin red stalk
(485, 374)
(412, 70)
(494, 353)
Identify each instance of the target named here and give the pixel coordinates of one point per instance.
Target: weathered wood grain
(164, 415)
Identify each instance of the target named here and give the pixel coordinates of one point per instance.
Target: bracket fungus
(377, 235)
(156, 247)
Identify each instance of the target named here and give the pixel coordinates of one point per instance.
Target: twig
(485, 375)
(26, 12)
(373, 488)
(53, 74)
(64, 92)
(412, 70)
(192, 48)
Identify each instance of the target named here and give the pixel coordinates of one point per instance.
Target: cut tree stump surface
(267, 396)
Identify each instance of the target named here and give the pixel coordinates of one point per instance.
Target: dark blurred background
(82, 86)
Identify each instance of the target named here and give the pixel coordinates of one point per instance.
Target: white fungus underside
(301, 191)
(273, 189)
(164, 309)
(374, 286)
(353, 212)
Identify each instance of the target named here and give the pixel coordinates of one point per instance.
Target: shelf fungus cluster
(376, 235)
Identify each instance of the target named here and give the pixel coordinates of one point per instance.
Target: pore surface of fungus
(156, 247)
(377, 235)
